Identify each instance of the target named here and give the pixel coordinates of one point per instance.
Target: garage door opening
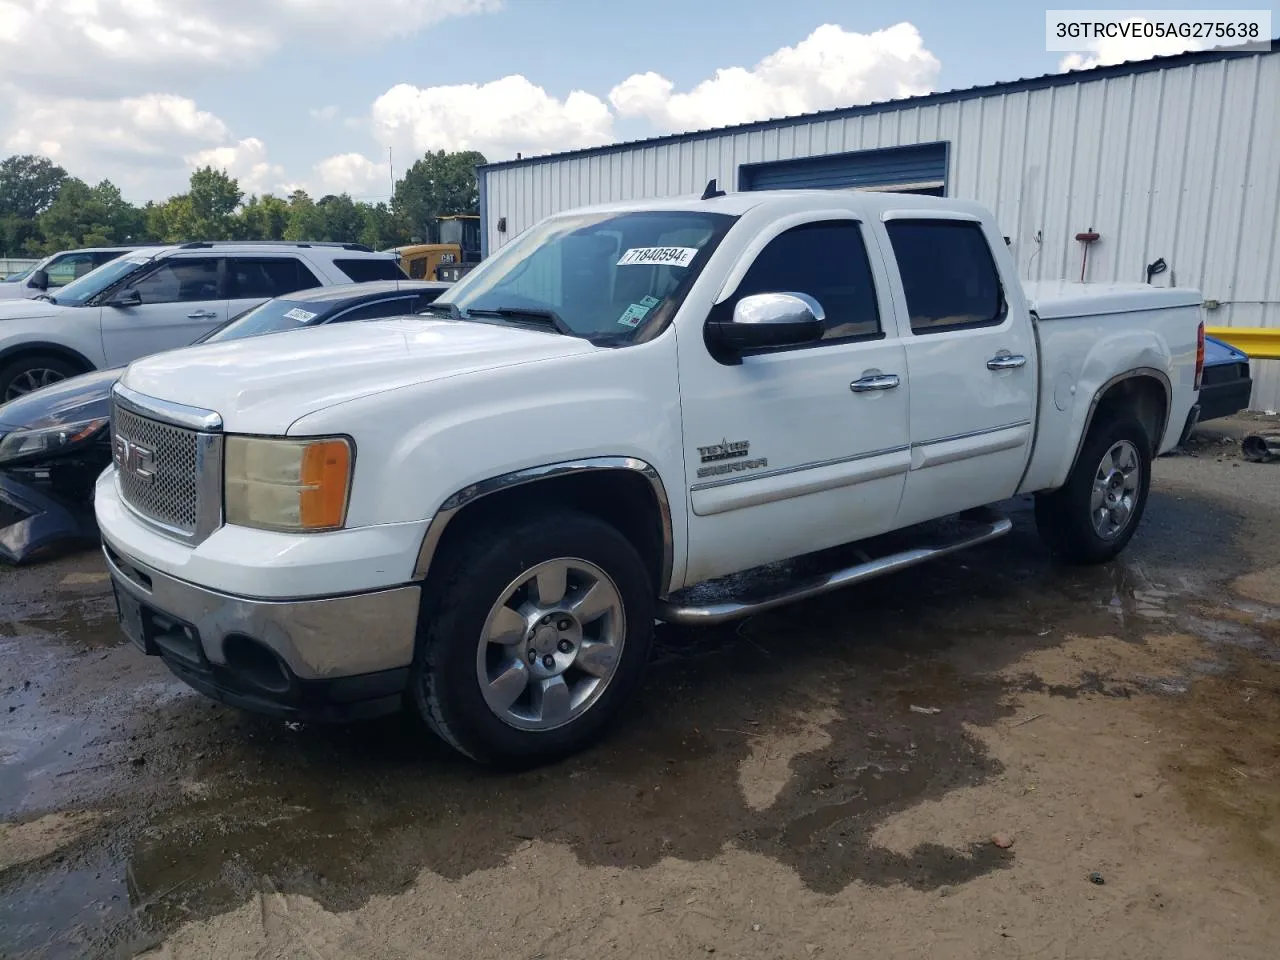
(920, 168)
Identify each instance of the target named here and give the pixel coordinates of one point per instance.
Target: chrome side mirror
(765, 320)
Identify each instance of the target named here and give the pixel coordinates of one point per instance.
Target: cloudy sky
(314, 93)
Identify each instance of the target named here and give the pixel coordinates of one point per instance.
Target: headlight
(295, 485)
(42, 442)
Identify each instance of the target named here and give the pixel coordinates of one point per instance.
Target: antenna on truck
(713, 190)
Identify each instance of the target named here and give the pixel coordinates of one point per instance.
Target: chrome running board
(688, 607)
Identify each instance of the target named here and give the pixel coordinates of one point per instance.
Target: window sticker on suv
(302, 316)
(662, 256)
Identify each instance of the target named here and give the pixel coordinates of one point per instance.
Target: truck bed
(1085, 332)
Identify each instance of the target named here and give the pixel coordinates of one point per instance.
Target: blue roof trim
(1128, 68)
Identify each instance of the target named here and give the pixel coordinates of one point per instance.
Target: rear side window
(374, 268)
(268, 277)
(399, 307)
(418, 268)
(948, 274)
(828, 261)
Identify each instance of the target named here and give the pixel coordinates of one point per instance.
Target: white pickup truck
(482, 511)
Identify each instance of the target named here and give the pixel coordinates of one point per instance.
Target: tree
(343, 219)
(306, 220)
(382, 228)
(214, 198)
(436, 185)
(28, 185)
(263, 218)
(85, 216)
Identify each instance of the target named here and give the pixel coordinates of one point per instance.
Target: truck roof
(867, 203)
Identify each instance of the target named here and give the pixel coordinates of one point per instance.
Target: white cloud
(329, 112)
(246, 161)
(499, 118)
(1106, 51)
(122, 46)
(832, 67)
(352, 173)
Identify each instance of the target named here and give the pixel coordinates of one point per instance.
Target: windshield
(78, 292)
(270, 317)
(612, 278)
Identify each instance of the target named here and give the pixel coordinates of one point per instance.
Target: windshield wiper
(44, 296)
(536, 316)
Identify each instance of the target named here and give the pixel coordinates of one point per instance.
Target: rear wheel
(28, 374)
(1094, 514)
(535, 640)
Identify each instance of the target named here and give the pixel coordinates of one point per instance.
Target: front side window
(828, 261)
(180, 280)
(268, 277)
(948, 274)
(612, 278)
(115, 273)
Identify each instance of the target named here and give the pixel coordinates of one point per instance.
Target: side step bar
(980, 526)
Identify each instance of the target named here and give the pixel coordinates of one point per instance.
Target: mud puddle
(209, 807)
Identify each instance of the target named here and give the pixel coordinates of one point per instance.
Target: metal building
(1174, 158)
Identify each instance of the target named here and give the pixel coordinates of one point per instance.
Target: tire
(30, 372)
(1066, 518)
(566, 677)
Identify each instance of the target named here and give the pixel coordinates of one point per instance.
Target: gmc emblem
(135, 460)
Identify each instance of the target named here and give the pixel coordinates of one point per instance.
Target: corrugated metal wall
(1181, 163)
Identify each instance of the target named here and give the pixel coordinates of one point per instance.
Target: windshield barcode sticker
(658, 256)
(302, 316)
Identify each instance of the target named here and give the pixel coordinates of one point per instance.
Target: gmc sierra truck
(482, 510)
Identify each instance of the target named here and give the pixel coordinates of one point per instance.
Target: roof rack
(205, 244)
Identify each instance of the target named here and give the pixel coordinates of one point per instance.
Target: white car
(484, 511)
(57, 270)
(159, 298)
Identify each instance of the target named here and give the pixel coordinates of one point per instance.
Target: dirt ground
(827, 780)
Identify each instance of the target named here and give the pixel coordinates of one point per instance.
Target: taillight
(1199, 354)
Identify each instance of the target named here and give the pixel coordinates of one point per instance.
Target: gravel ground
(990, 756)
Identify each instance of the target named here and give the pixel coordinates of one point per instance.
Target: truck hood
(264, 384)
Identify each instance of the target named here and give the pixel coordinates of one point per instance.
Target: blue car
(1226, 385)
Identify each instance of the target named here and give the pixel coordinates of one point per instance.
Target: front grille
(159, 469)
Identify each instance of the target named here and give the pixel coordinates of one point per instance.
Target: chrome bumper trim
(319, 638)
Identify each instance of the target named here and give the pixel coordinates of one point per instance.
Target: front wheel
(535, 640)
(1094, 514)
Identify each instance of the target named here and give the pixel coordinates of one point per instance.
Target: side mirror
(39, 280)
(765, 320)
(128, 297)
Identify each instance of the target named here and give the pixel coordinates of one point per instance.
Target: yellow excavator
(455, 251)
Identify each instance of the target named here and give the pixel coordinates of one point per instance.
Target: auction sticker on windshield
(658, 256)
(302, 316)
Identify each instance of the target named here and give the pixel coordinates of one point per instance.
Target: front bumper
(322, 658)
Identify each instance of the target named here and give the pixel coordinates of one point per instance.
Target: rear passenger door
(971, 358)
(181, 300)
(253, 280)
(784, 454)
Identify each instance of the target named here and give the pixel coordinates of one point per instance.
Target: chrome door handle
(1007, 361)
(201, 315)
(879, 381)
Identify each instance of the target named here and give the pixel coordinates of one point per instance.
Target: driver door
(182, 298)
(798, 449)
